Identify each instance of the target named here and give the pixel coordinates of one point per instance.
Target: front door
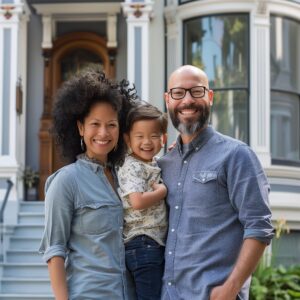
(70, 54)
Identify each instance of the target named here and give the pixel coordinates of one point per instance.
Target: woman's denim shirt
(84, 224)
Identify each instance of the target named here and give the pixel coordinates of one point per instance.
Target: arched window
(219, 45)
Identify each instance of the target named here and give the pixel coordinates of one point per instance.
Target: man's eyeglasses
(195, 91)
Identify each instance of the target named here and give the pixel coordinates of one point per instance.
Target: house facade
(250, 50)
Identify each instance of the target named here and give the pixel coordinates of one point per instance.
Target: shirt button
(170, 252)
(185, 162)
(172, 229)
(176, 207)
(179, 183)
(197, 148)
(169, 283)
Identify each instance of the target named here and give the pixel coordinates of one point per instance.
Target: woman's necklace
(104, 165)
(106, 168)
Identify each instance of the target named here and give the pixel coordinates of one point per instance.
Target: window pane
(285, 59)
(219, 45)
(77, 61)
(286, 249)
(285, 126)
(230, 113)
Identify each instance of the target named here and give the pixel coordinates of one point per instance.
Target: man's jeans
(145, 262)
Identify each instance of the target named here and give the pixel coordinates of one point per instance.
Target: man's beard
(190, 127)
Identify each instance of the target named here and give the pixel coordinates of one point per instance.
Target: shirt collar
(94, 166)
(200, 140)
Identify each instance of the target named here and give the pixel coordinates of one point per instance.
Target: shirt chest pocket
(204, 176)
(96, 218)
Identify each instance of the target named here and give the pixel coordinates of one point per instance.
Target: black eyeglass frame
(190, 90)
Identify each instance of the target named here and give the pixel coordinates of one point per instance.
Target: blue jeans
(145, 262)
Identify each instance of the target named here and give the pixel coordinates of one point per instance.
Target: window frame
(281, 161)
(224, 89)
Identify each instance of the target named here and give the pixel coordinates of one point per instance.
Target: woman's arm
(147, 199)
(57, 272)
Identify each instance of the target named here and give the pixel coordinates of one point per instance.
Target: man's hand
(222, 293)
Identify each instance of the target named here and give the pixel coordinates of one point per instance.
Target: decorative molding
(47, 32)
(213, 7)
(142, 11)
(7, 11)
(171, 14)
(77, 8)
(10, 12)
(52, 13)
(261, 7)
(112, 31)
(284, 8)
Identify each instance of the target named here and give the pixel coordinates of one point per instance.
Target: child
(142, 194)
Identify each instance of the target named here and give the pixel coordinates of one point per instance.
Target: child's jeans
(145, 262)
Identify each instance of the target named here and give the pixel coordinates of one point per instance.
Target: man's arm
(58, 277)
(245, 265)
(147, 199)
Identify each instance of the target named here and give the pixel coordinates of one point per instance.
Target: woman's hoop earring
(82, 145)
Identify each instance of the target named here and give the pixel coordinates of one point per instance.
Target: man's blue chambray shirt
(84, 224)
(217, 196)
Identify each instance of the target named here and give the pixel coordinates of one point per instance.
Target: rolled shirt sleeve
(248, 190)
(59, 204)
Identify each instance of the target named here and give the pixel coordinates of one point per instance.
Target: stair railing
(9, 186)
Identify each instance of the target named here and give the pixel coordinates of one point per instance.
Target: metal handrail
(9, 186)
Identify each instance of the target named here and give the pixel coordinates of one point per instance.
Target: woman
(82, 241)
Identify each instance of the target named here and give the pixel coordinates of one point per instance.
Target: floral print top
(138, 176)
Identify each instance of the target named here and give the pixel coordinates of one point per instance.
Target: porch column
(138, 15)
(13, 57)
(174, 48)
(260, 83)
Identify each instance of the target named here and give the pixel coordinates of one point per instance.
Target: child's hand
(160, 187)
(170, 147)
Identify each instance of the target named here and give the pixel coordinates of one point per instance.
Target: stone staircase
(24, 275)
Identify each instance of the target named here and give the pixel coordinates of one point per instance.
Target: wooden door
(70, 54)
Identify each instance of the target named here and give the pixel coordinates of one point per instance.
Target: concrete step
(31, 218)
(24, 270)
(29, 230)
(21, 296)
(25, 285)
(24, 243)
(21, 256)
(32, 206)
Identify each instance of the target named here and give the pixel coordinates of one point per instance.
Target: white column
(138, 15)
(174, 50)
(13, 45)
(260, 82)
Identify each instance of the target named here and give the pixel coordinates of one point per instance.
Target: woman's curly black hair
(73, 103)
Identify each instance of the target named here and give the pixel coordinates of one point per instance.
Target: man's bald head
(186, 72)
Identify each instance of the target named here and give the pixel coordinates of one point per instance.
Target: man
(219, 219)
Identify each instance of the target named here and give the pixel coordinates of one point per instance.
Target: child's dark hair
(146, 111)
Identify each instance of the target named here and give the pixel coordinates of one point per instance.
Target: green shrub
(276, 283)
